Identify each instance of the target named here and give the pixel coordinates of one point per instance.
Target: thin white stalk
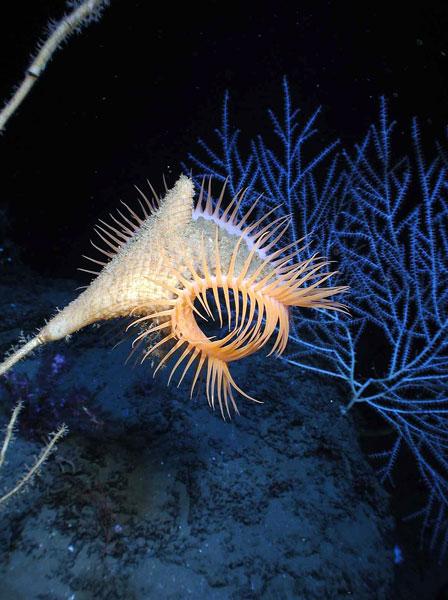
(66, 26)
(44, 454)
(13, 358)
(9, 432)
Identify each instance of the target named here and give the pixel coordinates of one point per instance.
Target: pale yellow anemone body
(160, 267)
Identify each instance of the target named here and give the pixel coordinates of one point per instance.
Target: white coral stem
(65, 27)
(19, 354)
(44, 454)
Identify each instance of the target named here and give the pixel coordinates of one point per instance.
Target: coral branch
(42, 457)
(81, 15)
(386, 222)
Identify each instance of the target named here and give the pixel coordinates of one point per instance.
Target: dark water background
(126, 101)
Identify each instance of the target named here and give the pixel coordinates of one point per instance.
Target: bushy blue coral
(385, 220)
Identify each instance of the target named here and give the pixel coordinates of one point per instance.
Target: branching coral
(386, 220)
(398, 256)
(30, 473)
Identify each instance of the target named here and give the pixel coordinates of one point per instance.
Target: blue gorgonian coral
(385, 219)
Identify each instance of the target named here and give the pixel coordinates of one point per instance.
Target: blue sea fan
(385, 221)
(393, 244)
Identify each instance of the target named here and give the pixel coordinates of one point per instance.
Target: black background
(128, 97)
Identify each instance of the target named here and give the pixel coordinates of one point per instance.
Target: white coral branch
(82, 14)
(41, 458)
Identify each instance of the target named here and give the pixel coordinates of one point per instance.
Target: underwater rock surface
(152, 495)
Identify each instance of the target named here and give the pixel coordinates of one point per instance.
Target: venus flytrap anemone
(179, 266)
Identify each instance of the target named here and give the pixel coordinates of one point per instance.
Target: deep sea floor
(153, 495)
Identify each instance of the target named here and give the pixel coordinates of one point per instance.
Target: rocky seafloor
(153, 495)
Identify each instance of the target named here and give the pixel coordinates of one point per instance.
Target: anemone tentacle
(254, 283)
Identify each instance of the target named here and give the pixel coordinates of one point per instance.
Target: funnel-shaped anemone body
(179, 266)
